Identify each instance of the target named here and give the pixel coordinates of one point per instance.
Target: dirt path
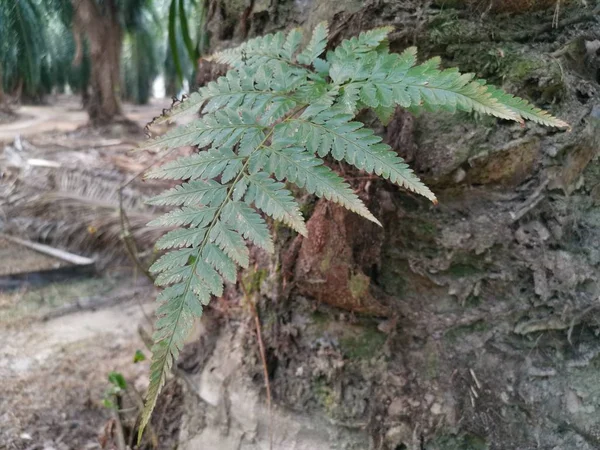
(54, 373)
(65, 114)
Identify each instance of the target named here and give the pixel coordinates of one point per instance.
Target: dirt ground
(56, 347)
(55, 372)
(65, 114)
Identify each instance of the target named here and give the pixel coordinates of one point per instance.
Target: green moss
(461, 331)
(393, 280)
(359, 284)
(325, 395)
(307, 208)
(320, 318)
(464, 441)
(326, 262)
(432, 362)
(421, 229)
(522, 68)
(365, 345)
(462, 270)
(540, 79)
(253, 279)
(473, 301)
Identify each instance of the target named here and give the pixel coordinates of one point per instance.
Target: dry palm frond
(76, 208)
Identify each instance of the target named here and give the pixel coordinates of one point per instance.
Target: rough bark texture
(471, 325)
(101, 26)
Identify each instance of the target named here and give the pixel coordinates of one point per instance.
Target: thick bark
(103, 31)
(488, 334)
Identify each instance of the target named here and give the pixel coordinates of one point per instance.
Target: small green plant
(272, 119)
(118, 385)
(139, 356)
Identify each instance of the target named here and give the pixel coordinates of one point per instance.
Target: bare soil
(55, 372)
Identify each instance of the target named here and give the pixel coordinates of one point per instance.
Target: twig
(51, 251)
(577, 319)
(532, 201)
(128, 240)
(119, 431)
(263, 357)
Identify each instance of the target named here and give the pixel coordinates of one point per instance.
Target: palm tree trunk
(1, 88)
(104, 34)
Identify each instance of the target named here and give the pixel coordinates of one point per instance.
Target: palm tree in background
(36, 48)
(106, 50)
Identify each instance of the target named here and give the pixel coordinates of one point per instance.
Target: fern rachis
(272, 119)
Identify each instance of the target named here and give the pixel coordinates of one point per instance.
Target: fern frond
(306, 171)
(205, 165)
(249, 224)
(345, 140)
(223, 128)
(278, 113)
(526, 110)
(276, 201)
(316, 46)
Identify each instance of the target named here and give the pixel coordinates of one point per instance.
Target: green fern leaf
(197, 192)
(237, 88)
(231, 242)
(221, 262)
(249, 224)
(333, 132)
(174, 275)
(192, 215)
(260, 51)
(366, 41)
(308, 172)
(524, 109)
(182, 237)
(316, 46)
(221, 128)
(168, 342)
(171, 260)
(276, 201)
(205, 165)
(291, 44)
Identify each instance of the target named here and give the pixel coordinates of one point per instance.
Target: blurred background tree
(104, 50)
